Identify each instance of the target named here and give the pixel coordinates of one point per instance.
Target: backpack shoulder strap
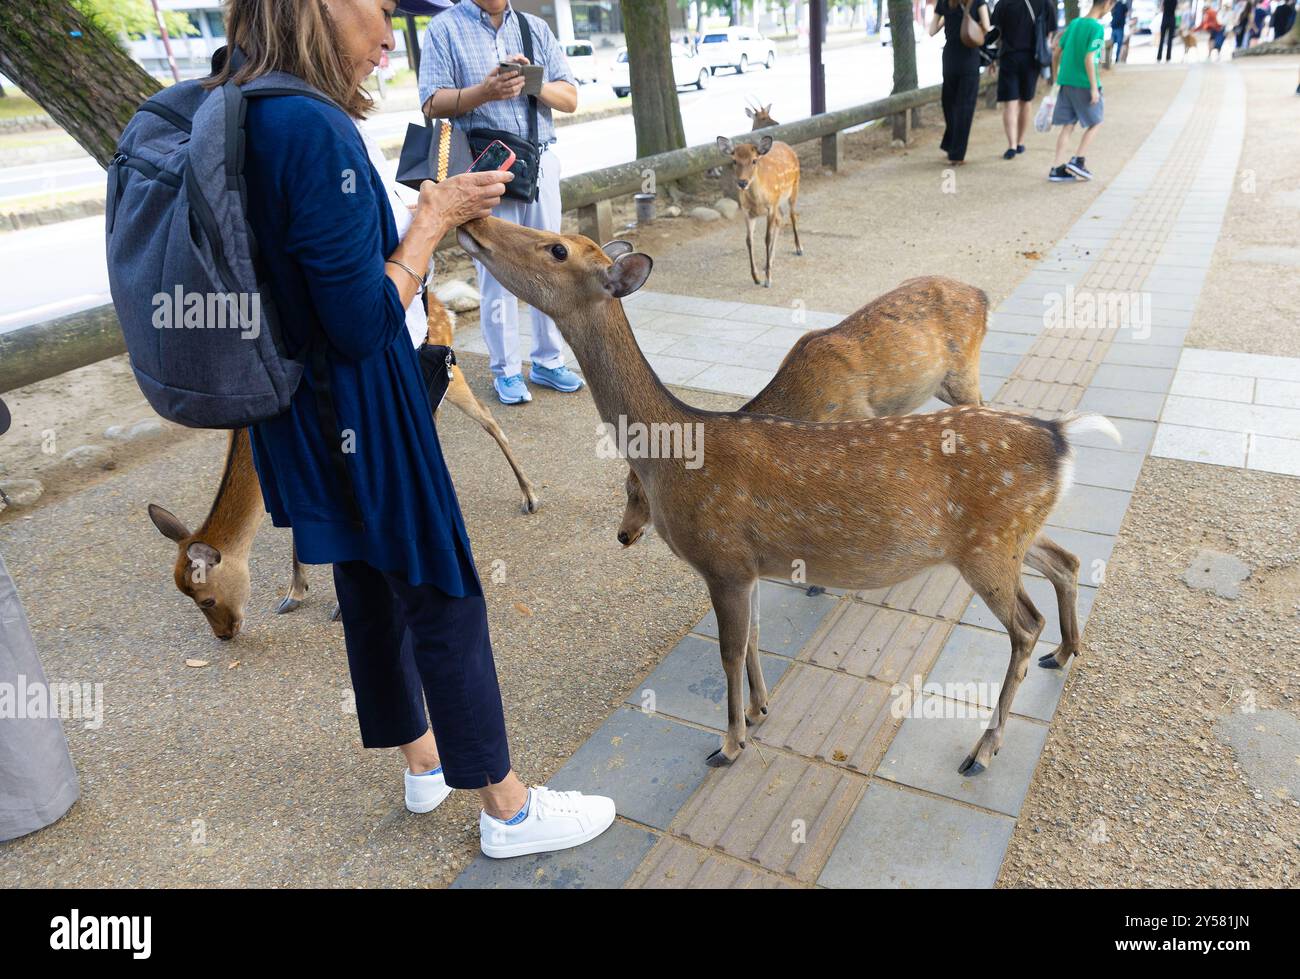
(526, 38)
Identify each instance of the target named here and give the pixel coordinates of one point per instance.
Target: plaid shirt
(461, 46)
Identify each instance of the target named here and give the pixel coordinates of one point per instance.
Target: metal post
(817, 71)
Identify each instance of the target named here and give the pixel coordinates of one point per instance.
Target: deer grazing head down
(211, 566)
(218, 587)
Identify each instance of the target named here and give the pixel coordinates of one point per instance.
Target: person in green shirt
(1078, 50)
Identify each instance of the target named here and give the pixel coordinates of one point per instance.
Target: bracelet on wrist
(420, 282)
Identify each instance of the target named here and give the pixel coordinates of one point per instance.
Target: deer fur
(212, 562)
(767, 176)
(858, 504)
(918, 341)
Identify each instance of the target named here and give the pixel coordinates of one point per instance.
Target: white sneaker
(424, 793)
(555, 821)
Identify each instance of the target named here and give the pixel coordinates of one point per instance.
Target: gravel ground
(1135, 787)
(1247, 301)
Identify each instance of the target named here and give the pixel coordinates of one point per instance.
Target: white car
(688, 69)
(736, 48)
(582, 61)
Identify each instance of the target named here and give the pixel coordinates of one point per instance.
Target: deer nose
(742, 184)
(623, 538)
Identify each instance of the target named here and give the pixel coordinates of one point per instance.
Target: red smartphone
(497, 156)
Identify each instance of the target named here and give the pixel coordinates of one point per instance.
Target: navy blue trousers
(408, 644)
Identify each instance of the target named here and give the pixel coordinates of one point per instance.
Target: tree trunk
(655, 112)
(80, 76)
(903, 38)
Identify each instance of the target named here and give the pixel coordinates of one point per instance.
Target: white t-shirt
(416, 320)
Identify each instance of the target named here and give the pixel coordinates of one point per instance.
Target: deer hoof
(719, 760)
(970, 767)
(336, 613)
(756, 721)
(287, 604)
(1049, 662)
(531, 504)
(816, 590)
(798, 251)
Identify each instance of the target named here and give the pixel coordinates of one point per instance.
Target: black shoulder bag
(528, 156)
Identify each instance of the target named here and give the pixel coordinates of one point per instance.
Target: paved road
(60, 269)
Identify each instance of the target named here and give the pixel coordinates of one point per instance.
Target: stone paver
(878, 696)
(1233, 409)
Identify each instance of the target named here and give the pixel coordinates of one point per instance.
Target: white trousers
(499, 311)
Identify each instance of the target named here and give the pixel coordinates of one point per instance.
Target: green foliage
(118, 17)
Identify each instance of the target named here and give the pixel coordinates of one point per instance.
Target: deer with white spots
(857, 504)
(918, 341)
(767, 176)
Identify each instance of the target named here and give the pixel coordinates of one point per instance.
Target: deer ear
(749, 112)
(628, 274)
(764, 145)
(167, 524)
(726, 145)
(616, 247)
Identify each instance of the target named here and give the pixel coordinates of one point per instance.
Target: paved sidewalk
(836, 789)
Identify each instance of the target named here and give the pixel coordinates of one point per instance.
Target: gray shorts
(1073, 105)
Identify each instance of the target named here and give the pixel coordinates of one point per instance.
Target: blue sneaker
(512, 390)
(560, 378)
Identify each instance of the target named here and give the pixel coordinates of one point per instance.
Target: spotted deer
(859, 504)
(918, 341)
(767, 176)
(211, 564)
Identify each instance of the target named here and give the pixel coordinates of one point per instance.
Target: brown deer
(857, 504)
(767, 175)
(212, 562)
(761, 115)
(918, 341)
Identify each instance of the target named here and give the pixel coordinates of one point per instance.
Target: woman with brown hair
(413, 609)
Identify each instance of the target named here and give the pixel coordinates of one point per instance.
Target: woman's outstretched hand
(464, 197)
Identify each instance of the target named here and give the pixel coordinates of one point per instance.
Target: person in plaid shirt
(460, 80)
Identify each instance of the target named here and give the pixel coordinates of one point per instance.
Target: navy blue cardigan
(324, 227)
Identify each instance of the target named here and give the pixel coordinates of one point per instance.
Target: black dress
(961, 79)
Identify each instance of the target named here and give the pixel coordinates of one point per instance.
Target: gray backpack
(202, 334)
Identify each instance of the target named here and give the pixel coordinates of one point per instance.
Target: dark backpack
(202, 334)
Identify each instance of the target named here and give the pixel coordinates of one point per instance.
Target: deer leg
(459, 394)
(731, 604)
(794, 219)
(749, 243)
(1009, 601)
(297, 593)
(773, 227)
(756, 714)
(1062, 570)
(961, 388)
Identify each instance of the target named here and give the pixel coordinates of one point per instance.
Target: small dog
(1189, 43)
